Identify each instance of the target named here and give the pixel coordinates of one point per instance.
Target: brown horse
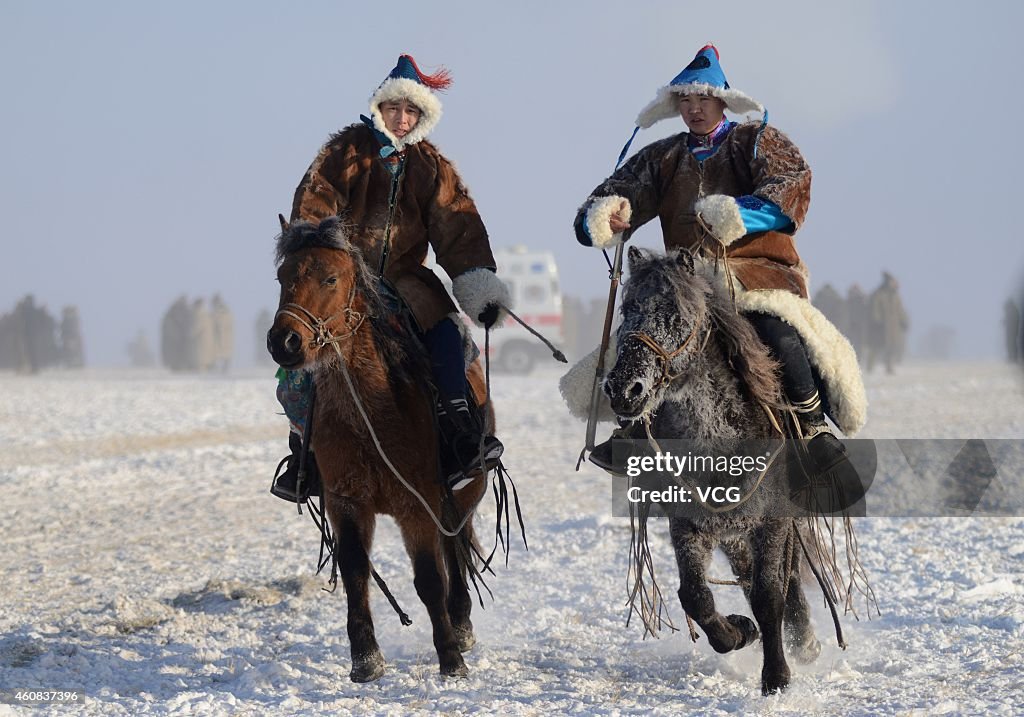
(333, 321)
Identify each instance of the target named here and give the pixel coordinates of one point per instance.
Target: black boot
(464, 447)
(834, 481)
(286, 484)
(604, 457)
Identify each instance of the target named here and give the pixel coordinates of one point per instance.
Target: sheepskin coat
(433, 208)
(665, 180)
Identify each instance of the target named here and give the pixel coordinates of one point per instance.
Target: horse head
(664, 308)
(321, 303)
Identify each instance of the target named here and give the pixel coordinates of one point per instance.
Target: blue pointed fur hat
(702, 76)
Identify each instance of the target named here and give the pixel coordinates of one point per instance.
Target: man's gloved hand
(489, 316)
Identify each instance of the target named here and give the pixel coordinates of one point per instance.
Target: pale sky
(147, 148)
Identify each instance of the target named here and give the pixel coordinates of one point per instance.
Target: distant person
(39, 331)
(1011, 327)
(223, 334)
(857, 320)
(13, 343)
(139, 352)
(734, 195)
(887, 330)
(71, 345)
(175, 330)
(264, 320)
(828, 301)
(202, 343)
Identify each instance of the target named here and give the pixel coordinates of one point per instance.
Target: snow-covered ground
(145, 564)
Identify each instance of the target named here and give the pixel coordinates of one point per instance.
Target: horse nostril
(636, 390)
(292, 342)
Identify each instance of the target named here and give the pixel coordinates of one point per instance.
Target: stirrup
(835, 485)
(285, 484)
(463, 475)
(603, 455)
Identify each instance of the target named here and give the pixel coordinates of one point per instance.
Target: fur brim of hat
(399, 88)
(663, 106)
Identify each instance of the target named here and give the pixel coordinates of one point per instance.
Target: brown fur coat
(665, 180)
(432, 208)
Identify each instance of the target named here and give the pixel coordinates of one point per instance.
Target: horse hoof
(808, 652)
(747, 628)
(368, 669)
(454, 668)
(774, 684)
(465, 639)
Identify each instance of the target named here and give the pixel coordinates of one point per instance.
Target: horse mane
(746, 353)
(402, 351)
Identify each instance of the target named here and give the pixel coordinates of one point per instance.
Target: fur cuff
(576, 385)
(476, 289)
(723, 214)
(598, 214)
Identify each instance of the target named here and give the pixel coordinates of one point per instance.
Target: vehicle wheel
(516, 359)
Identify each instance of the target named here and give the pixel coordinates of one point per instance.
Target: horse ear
(635, 257)
(284, 224)
(685, 260)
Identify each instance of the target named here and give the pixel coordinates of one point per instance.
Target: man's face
(400, 116)
(700, 112)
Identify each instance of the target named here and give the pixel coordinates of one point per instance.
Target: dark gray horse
(695, 368)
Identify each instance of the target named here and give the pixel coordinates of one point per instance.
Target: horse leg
(803, 645)
(459, 603)
(354, 532)
(771, 544)
(423, 544)
(693, 553)
(737, 550)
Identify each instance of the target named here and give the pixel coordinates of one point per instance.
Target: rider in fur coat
(734, 195)
(397, 196)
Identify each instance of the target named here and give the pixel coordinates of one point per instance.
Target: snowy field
(146, 565)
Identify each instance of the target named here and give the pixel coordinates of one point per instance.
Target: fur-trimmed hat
(702, 76)
(407, 82)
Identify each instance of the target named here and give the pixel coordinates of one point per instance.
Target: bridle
(663, 357)
(321, 334)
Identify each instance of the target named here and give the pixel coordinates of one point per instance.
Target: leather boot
(604, 457)
(464, 447)
(285, 485)
(834, 482)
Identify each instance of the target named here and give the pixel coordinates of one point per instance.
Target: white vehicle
(532, 278)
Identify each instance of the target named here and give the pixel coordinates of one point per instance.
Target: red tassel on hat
(440, 80)
(717, 56)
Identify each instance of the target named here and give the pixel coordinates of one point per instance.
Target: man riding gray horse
(733, 195)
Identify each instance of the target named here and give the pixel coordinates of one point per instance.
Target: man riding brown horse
(397, 196)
